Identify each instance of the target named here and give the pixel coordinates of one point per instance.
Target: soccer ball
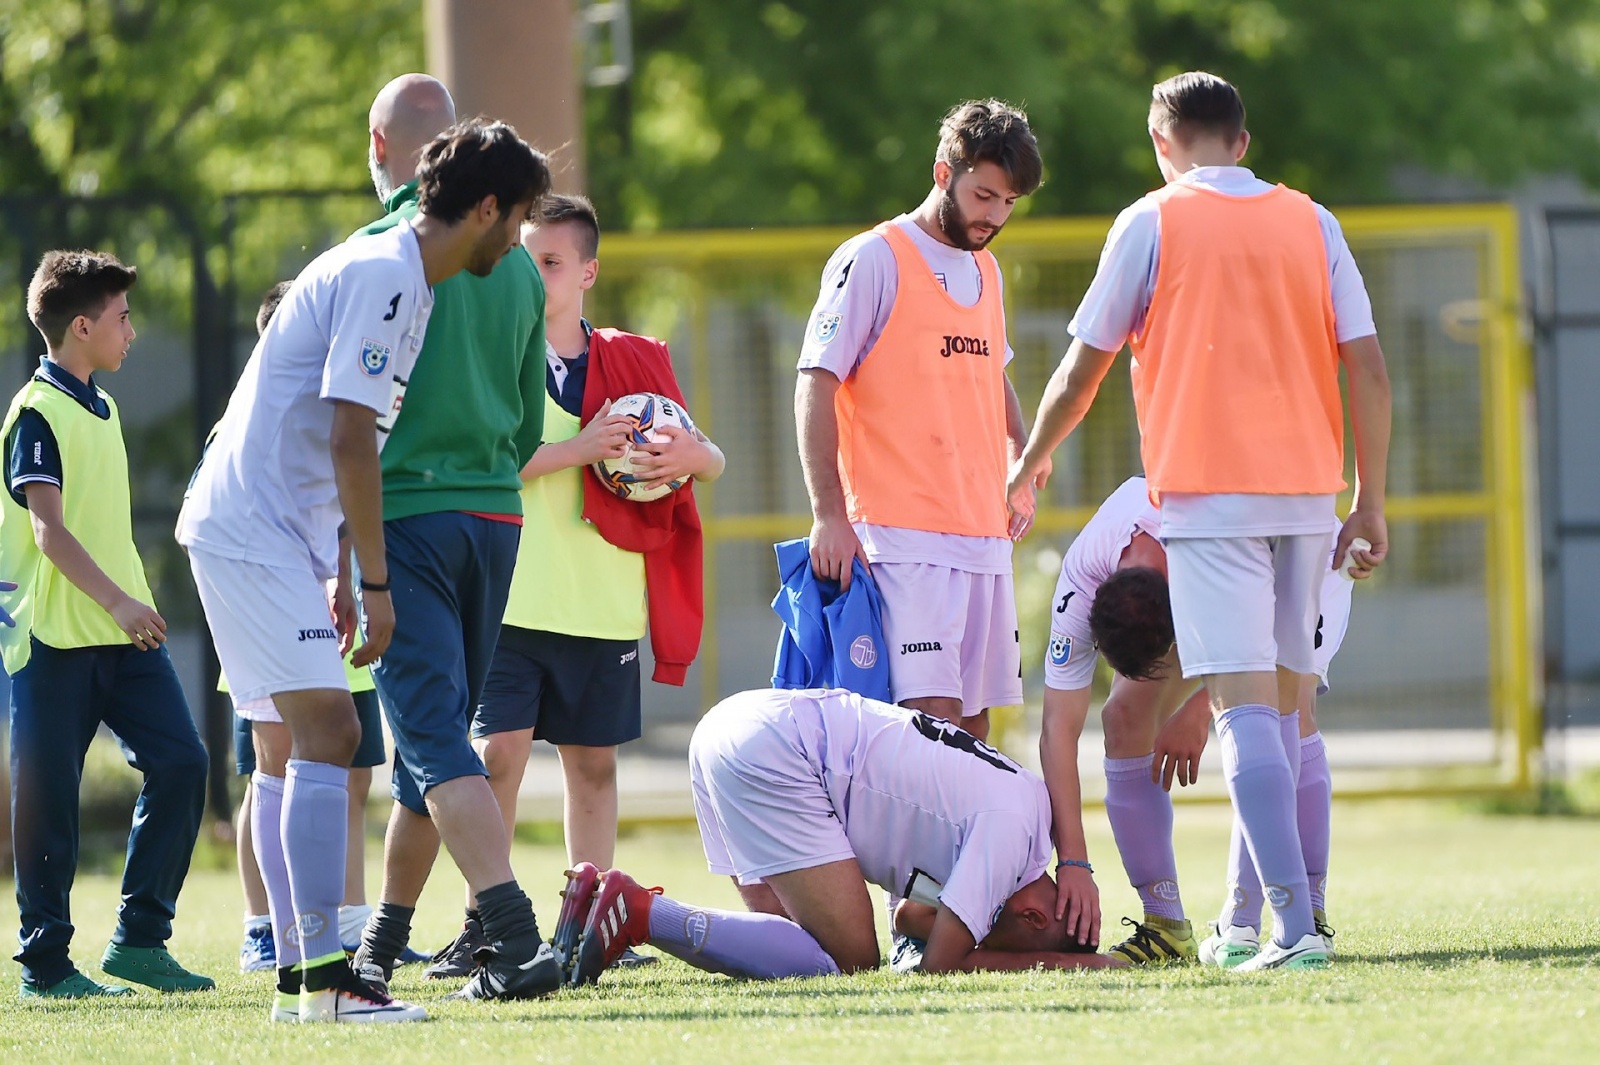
(648, 412)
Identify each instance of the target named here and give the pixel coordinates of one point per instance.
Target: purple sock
(758, 946)
(1314, 807)
(316, 801)
(1243, 907)
(1289, 733)
(1257, 772)
(266, 839)
(1140, 812)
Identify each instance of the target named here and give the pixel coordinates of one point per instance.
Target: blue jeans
(449, 574)
(58, 700)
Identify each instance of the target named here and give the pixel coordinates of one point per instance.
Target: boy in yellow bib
(66, 534)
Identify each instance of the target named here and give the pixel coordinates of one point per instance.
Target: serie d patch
(374, 357)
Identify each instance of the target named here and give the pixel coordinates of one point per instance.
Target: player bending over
(804, 797)
(1112, 598)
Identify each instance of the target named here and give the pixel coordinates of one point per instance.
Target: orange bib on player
(1236, 372)
(922, 421)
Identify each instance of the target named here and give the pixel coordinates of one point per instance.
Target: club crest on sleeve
(374, 357)
(1060, 650)
(824, 327)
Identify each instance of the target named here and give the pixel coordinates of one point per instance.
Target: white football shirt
(931, 812)
(348, 330)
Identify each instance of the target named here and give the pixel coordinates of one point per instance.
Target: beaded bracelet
(1076, 863)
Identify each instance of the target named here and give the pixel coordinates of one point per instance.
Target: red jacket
(666, 530)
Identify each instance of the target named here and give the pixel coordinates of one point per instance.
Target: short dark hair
(269, 304)
(478, 158)
(992, 131)
(1196, 103)
(1130, 622)
(70, 283)
(574, 210)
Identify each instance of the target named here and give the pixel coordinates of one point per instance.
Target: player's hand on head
(378, 609)
(1368, 525)
(605, 437)
(145, 628)
(834, 544)
(1078, 902)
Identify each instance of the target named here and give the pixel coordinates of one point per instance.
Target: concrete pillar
(515, 60)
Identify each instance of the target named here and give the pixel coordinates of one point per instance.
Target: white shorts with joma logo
(950, 634)
(271, 628)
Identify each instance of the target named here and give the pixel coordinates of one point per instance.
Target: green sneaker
(75, 986)
(1156, 940)
(152, 967)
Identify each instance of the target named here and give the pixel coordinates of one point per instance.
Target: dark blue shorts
(575, 690)
(369, 752)
(450, 574)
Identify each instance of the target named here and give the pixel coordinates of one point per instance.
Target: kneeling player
(802, 796)
(1112, 597)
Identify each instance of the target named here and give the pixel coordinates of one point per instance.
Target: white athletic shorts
(760, 802)
(1247, 604)
(950, 633)
(1070, 657)
(271, 629)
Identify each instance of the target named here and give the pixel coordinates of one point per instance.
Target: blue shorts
(369, 752)
(449, 574)
(577, 690)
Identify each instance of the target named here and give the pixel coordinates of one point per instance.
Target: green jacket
(474, 408)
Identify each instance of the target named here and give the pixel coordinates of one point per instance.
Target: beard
(955, 227)
(382, 184)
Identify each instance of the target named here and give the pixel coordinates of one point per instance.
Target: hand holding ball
(649, 413)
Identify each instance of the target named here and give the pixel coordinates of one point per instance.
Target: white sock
(352, 921)
(257, 921)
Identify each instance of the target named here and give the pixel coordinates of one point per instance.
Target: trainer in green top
(474, 412)
(474, 408)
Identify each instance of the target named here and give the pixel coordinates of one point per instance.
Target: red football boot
(577, 899)
(619, 919)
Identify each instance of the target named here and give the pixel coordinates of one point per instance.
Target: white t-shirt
(858, 292)
(349, 329)
(931, 813)
(1114, 309)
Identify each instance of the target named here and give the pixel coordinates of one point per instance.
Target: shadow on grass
(1564, 957)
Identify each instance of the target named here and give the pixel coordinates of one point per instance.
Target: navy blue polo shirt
(567, 390)
(32, 453)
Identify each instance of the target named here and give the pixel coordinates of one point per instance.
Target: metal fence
(1434, 687)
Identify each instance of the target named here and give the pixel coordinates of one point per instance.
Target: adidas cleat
(500, 977)
(458, 959)
(618, 920)
(1229, 947)
(583, 880)
(1309, 952)
(1156, 941)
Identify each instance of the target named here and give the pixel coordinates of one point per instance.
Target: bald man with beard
(452, 519)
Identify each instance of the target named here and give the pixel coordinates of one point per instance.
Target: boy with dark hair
(295, 459)
(66, 534)
(1241, 301)
(566, 669)
(906, 422)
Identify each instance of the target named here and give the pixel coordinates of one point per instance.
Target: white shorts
(271, 629)
(760, 803)
(1070, 657)
(951, 634)
(1247, 604)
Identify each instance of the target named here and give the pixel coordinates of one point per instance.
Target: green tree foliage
(784, 111)
(194, 97)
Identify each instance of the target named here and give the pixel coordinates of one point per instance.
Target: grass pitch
(1463, 937)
